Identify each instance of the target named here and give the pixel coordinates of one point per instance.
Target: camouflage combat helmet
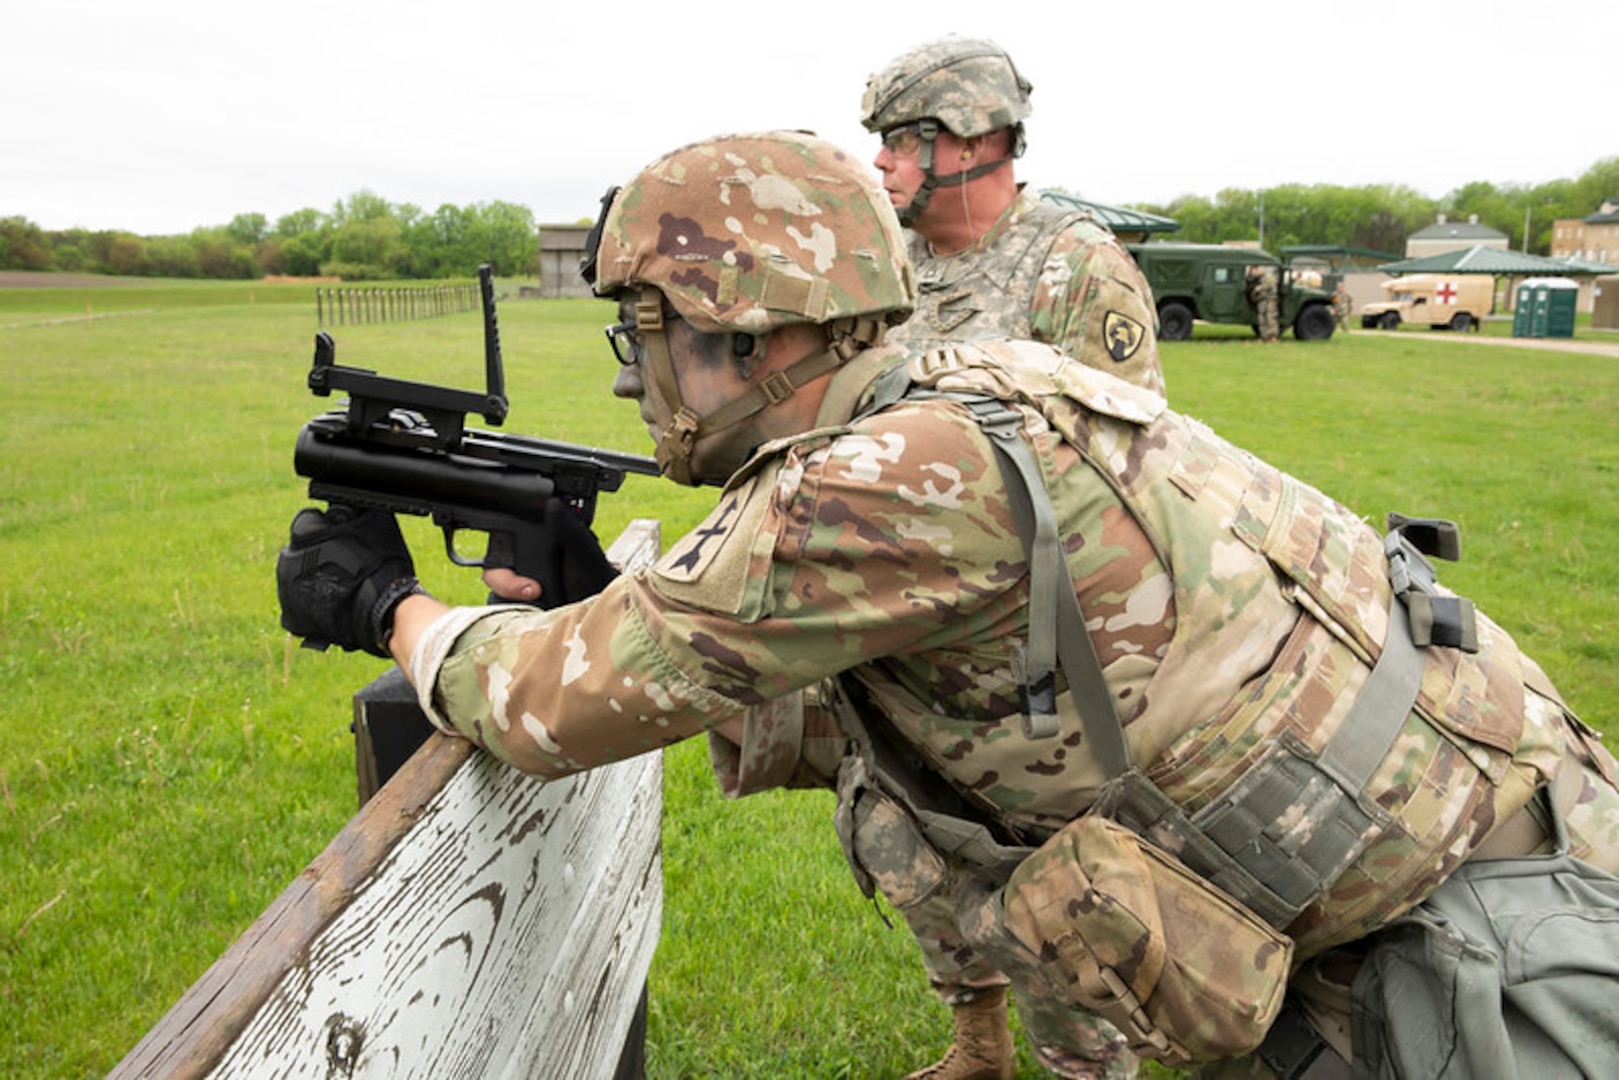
(965, 86)
(751, 232)
(744, 234)
(970, 86)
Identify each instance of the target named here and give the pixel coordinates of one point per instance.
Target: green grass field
(169, 762)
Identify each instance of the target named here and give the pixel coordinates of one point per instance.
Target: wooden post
(469, 921)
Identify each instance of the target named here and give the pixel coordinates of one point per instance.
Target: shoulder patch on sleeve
(723, 565)
(1122, 335)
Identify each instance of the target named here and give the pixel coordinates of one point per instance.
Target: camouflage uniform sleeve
(884, 544)
(1093, 303)
(557, 692)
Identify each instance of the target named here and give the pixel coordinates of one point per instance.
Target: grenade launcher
(404, 447)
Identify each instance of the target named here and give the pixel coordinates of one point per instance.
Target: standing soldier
(1184, 742)
(1262, 282)
(991, 259)
(1341, 307)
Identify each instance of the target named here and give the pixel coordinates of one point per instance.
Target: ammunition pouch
(883, 842)
(1105, 921)
(898, 820)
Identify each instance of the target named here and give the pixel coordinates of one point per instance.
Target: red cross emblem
(1446, 293)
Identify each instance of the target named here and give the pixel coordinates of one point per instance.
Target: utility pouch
(883, 843)
(1106, 921)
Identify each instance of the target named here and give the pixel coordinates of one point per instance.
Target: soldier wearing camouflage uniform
(1262, 281)
(991, 260)
(1342, 307)
(1253, 695)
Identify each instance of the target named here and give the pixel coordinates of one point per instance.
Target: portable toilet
(1545, 308)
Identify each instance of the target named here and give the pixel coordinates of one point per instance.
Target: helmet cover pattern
(969, 85)
(746, 233)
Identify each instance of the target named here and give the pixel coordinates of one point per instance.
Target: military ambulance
(1437, 301)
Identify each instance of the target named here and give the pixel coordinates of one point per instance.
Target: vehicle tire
(1389, 321)
(1174, 322)
(1314, 323)
(1461, 321)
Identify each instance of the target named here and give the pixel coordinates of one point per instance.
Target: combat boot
(982, 1049)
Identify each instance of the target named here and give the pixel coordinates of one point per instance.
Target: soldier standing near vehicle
(1341, 306)
(1262, 283)
(1176, 732)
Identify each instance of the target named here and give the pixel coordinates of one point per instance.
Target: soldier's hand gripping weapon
(404, 447)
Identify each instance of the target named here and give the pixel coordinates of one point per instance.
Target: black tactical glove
(341, 576)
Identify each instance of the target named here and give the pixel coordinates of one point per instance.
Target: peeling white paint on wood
(468, 922)
(512, 928)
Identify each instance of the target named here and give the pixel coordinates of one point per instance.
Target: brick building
(1594, 237)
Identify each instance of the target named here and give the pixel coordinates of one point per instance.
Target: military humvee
(1210, 282)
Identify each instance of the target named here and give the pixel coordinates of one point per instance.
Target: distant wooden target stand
(469, 921)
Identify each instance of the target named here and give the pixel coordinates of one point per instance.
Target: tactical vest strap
(1243, 843)
(1435, 619)
(1037, 526)
(1236, 843)
(1056, 624)
(1364, 738)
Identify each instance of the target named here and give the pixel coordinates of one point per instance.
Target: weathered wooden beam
(468, 921)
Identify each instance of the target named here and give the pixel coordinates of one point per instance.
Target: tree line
(363, 238)
(366, 238)
(1380, 217)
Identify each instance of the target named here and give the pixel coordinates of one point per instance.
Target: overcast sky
(159, 116)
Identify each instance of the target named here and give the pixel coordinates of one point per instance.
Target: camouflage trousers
(887, 850)
(1269, 324)
(1067, 1042)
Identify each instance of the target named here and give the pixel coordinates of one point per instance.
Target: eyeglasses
(625, 338)
(903, 140)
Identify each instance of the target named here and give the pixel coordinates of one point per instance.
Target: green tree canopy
(366, 237)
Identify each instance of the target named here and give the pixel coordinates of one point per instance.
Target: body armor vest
(983, 292)
(1283, 606)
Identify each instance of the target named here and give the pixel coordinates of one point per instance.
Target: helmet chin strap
(929, 130)
(679, 440)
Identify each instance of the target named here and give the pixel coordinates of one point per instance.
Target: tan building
(1594, 237)
(1445, 235)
